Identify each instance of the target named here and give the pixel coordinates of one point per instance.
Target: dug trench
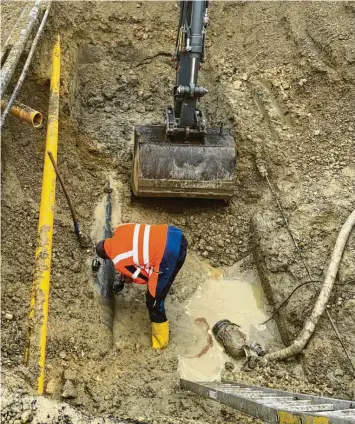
(281, 77)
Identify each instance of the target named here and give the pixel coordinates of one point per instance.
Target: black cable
(264, 174)
(291, 294)
(288, 298)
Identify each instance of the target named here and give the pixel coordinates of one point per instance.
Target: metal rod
(14, 56)
(72, 211)
(25, 67)
(24, 112)
(38, 318)
(84, 239)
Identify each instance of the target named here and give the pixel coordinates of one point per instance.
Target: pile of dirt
(281, 76)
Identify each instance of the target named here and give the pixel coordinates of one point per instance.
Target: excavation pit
(281, 76)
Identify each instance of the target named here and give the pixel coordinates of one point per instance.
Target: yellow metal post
(38, 319)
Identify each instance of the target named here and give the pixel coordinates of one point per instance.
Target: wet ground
(219, 294)
(230, 294)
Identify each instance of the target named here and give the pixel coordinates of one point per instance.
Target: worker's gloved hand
(160, 335)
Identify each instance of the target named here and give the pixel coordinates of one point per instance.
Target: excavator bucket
(201, 168)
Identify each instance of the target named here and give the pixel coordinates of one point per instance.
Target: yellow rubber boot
(160, 335)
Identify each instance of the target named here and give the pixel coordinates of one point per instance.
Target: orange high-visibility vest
(140, 245)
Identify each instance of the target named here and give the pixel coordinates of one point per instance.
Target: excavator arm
(184, 158)
(185, 118)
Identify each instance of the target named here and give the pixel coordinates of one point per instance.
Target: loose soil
(281, 77)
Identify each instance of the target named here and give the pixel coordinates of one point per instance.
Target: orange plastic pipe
(25, 113)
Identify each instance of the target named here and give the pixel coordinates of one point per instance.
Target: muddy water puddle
(229, 294)
(222, 294)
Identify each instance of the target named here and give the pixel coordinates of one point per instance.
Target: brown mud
(281, 76)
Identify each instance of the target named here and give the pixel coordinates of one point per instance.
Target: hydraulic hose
(298, 345)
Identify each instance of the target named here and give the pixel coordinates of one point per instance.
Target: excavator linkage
(185, 158)
(201, 169)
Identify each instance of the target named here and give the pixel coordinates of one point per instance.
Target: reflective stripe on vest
(135, 250)
(135, 243)
(146, 245)
(137, 272)
(122, 256)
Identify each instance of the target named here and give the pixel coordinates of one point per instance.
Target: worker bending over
(152, 255)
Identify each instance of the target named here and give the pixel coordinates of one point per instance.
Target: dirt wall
(281, 76)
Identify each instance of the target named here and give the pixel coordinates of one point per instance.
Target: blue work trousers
(172, 261)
